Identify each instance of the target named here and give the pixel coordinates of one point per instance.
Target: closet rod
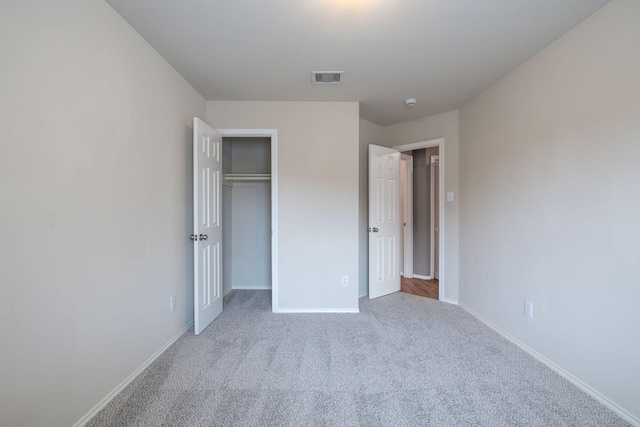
(247, 177)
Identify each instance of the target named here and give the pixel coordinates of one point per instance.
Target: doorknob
(375, 229)
(193, 238)
(203, 237)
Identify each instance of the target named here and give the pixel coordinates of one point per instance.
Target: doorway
(246, 213)
(250, 166)
(419, 176)
(424, 265)
(386, 221)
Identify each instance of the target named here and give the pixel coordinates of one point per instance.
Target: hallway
(423, 288)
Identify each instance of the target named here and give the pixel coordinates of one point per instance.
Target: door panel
(384, 221)
(207, 241)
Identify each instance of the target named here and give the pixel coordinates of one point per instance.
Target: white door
(207, 224)
(384, 221)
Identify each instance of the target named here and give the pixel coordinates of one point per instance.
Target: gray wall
(550, 201)
(251, 155)
(250, 240)
(317, 197)
(96, 184)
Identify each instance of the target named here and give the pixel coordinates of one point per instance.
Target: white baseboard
(251, 287)
(318, 310)
(571, 378)
(418, 276)
(92, 413)
(448, 301)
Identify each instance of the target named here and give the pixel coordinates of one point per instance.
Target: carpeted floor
(403, 361)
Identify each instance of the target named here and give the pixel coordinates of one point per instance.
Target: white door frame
(441, 152)
(406, 180)
(432, 216)
(273, 134)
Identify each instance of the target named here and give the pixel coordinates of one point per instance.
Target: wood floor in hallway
(423, 288)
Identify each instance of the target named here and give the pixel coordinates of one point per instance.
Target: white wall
(370, 133)
(317, 196)
(95, 188)
(439, 126)
(550, 203)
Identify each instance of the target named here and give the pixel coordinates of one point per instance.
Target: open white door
(384, 221)
(207, 224)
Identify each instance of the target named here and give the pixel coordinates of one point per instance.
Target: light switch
(450, 196)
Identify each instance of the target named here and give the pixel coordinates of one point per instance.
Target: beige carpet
(403, 361)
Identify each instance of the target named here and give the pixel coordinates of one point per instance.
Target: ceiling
(442, 52)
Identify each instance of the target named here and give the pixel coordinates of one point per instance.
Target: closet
(246, 218)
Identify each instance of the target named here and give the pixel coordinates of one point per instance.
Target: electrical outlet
(528, 308)
(345, 280)
(173, 302)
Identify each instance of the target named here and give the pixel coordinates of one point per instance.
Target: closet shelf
(247, 177)
(230, 178)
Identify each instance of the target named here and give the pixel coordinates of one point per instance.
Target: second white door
(384, 221)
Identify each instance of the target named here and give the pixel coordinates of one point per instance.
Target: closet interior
(246, 219)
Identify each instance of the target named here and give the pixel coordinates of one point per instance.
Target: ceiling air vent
(326, 77)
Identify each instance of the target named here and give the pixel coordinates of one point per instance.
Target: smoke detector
(410, 102)
(326, 77)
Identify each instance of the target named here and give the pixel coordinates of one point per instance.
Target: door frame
(273, 134)
(432, 217)
(406, 180)
(439, 142)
